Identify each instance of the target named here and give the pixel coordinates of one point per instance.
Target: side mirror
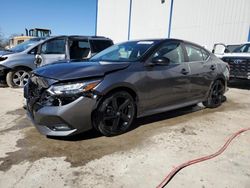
(38, 60)
(160, 61)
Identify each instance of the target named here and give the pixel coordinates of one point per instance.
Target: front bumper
(240, 75)
(65, 120)
(3, 72)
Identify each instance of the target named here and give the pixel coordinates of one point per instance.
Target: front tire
(215, 97)
(115, 114)
(18, 78)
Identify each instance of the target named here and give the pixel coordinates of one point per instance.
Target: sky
(61, 16)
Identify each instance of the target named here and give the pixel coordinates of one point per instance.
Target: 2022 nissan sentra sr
(125, 81)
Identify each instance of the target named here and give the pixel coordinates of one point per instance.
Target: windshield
(25, 45)
(243, 49)
(124, 52)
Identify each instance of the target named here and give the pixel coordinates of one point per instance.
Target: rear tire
(115, 114)
(17, 78)
(215, 97)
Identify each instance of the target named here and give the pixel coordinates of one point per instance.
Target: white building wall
(202, 21)
(149, 19)
(112, 20)
(211, 21)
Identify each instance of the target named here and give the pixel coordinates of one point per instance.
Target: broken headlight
(73, 88)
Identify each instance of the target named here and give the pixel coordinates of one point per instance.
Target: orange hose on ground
(172, 173)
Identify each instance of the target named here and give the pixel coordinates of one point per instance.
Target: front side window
(124, 52)
(194, 53)
(56, 46)
(172, 51)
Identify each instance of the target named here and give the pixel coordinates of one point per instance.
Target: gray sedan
(128, 80)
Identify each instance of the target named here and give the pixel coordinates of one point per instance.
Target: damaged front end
(54, 107)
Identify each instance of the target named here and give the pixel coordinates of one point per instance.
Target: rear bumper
(65, 120)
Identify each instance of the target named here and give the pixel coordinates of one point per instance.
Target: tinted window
(172, 51)
(194, 53)
(99, 45)
(79, 49)
(83, 44)
(56, 46)
(243, 49)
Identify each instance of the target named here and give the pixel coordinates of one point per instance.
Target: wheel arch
(107, 92)
(21, 67)
(221, 78)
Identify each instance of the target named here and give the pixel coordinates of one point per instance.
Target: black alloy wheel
(215, 97)
(115, 114)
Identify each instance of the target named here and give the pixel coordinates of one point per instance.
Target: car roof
(80, 37)
(170, 40)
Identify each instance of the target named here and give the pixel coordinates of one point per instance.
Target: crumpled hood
(77, 70)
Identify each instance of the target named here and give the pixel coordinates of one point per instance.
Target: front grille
(239, 66)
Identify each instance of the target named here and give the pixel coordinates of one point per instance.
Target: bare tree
(3, 40)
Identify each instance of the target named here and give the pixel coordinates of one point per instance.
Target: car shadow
(239, 84)
(92, 134)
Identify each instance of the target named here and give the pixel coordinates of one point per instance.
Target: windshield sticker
(145, 42)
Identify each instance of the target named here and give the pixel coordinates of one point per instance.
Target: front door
(169, 84)
(52, 51)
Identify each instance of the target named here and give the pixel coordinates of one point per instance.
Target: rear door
(202, 70)
(53, 50)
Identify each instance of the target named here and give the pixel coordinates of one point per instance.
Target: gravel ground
(139, 158)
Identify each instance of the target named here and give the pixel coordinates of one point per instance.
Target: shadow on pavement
(239, 84)
(91, 134)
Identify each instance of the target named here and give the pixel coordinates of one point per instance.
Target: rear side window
(99, 45)
(194, 53)
(56, 46)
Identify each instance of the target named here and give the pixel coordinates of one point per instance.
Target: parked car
(16, 65)
(12, 59)
(221, 49)
(239, 62)
(125, 81)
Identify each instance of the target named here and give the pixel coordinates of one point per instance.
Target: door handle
(184, 71)
(212, 67)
